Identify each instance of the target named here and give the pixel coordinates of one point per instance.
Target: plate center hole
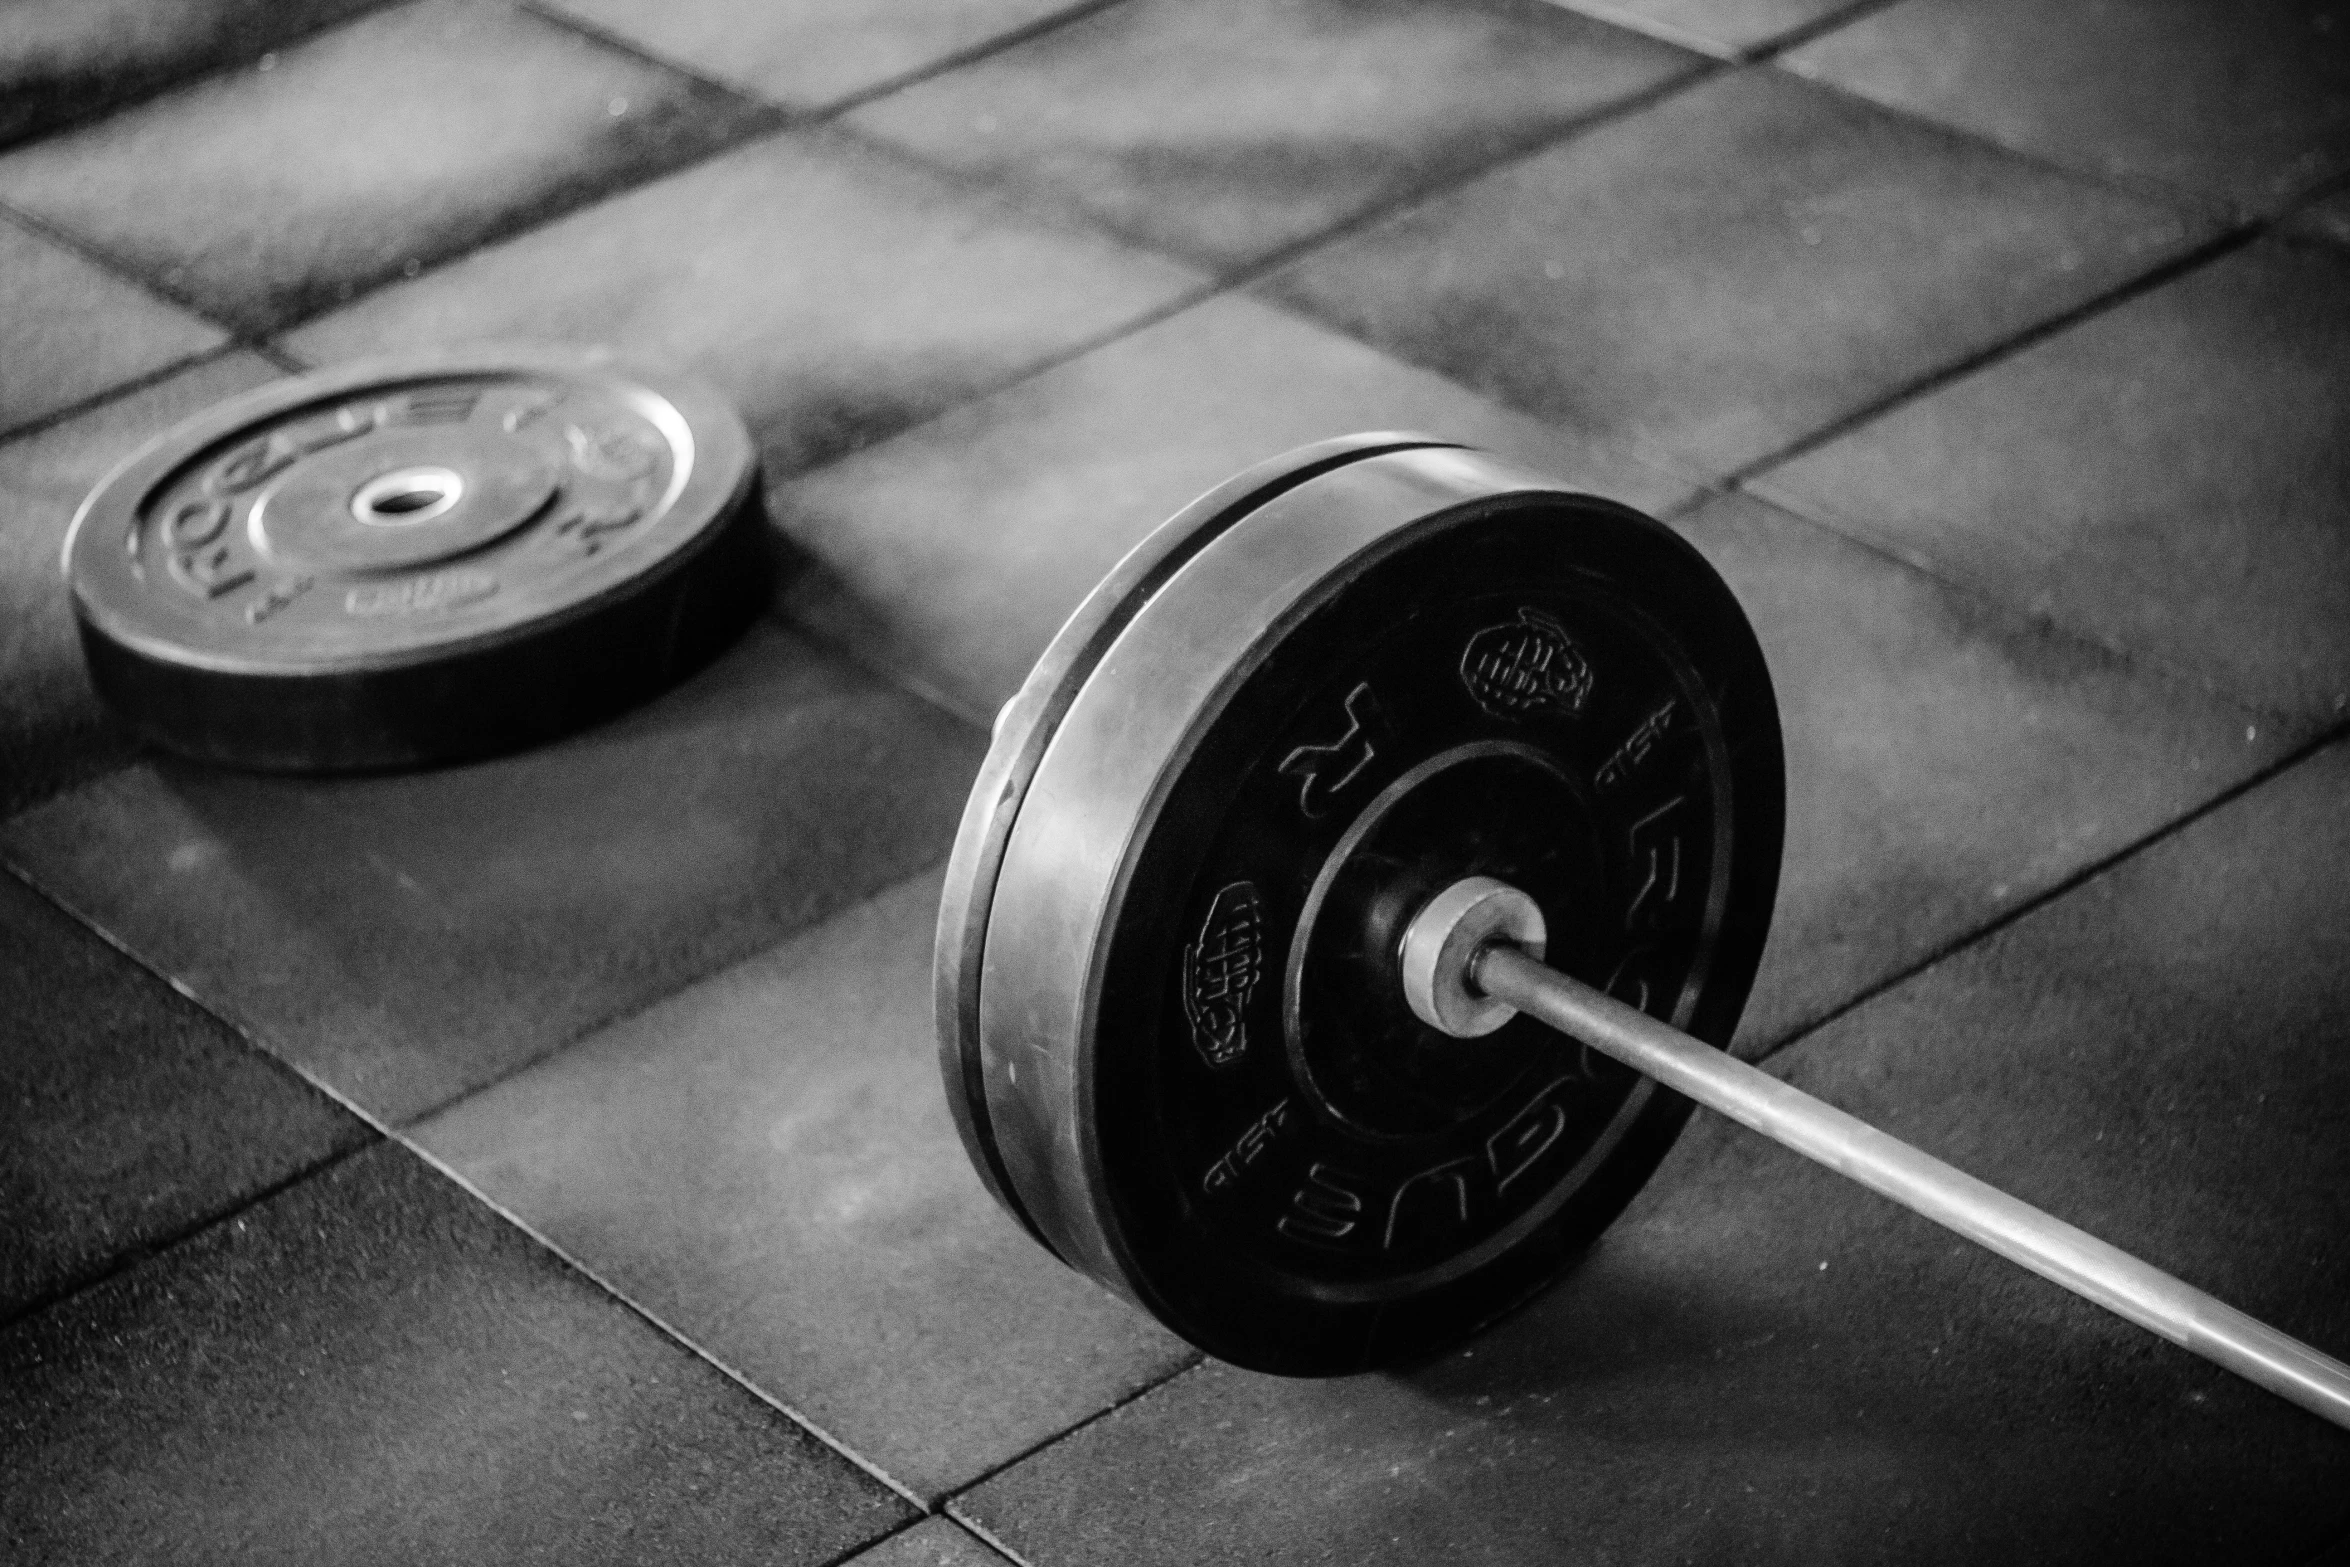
(409, 496)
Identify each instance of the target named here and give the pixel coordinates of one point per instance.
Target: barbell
(1357, 896)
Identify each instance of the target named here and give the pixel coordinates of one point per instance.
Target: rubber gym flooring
(543, 1159)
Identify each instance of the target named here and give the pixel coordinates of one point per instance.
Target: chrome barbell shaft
(1918, 1181)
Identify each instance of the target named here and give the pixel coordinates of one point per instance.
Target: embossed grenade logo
(1525, 667)
(1220, 973)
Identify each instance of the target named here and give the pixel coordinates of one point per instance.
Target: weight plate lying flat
(1175, 1027)
(417, 559)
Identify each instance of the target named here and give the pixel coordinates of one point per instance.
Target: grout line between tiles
(119, 390)
(389, 1133)
(1803, 1033)
(2134, 661)
(226, 1018)
(1632, 21)
(121, 271)
(1189, 1364)
(1818, 27)
(554, 13)
(638, 1008)
(986, 1536)
(738, 120)
(2137, 187)
(875, 1542)
(967, 55)
(733, 1374)
(122, 1262)
(2168, 270)
(166, 85)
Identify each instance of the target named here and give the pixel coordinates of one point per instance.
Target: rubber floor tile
(52, 730)
(373, 1367)
(73, 329)
(1946, 757)
(2245, 103)
(1730, 28)
(766, 1164)
(2169, 476)
(126, 1114)
(934, 1542)
(812, 55)
(953, 553)
(63, 60)
(408, 937)
(266, 194)
(836, 294)
(1730, 270)
(1224, 130)
(1761, 1362)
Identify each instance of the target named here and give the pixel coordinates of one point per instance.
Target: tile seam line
(632, 1010)
(400, 1134)
(553, 12)
(2170, 269)
(130, 386)
(167, 85)
(1041, 206)
(2214, 246)
(1818, 27)
(95, 255)
(1771, 44)
(1014, 199)
(1738, 481)
(756, 119)
(1192, 1361)
(390, 1133)
(763, 119)
(2155, 192)
(867, 1466)
(986, 1536)
(265, 330)
(2135, 662)
(246, 1034)
(851, 1553)
(1708, 71)
(1215, 285)
(1804, 1034)
(129, 1259)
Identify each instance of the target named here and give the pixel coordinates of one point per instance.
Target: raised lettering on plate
(278, 595)
(1636, 746)
(1659, 876)
(1252, 1142)
(1324, 771)
(587, 525)
(211, 572)
(1435, 1199)
(440, 404)
(1526, 668)
(1529, 1135)
(194, 523)
(1220, 972)
(609, 452)
(1323, 1210)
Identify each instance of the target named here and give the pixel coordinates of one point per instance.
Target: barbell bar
(1478, 946)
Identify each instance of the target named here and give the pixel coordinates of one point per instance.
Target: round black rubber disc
(418, 559)
(1174, 1026)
